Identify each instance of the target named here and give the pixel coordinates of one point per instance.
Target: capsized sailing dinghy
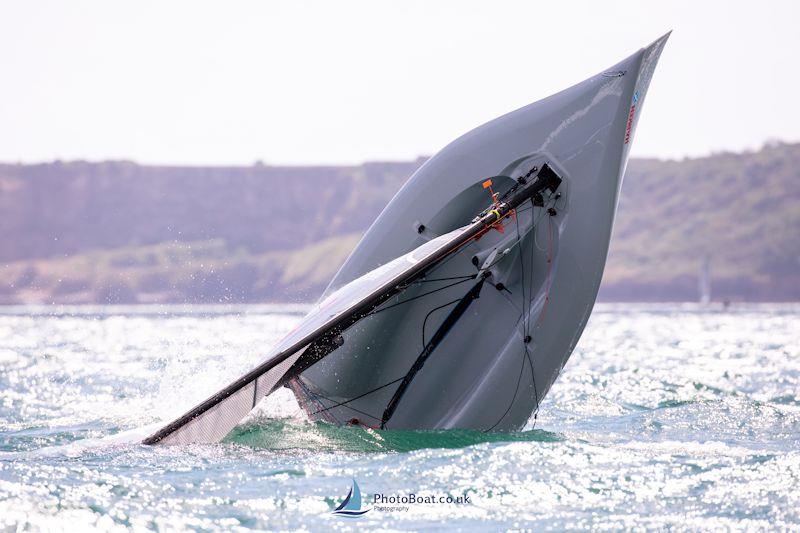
(464, 300)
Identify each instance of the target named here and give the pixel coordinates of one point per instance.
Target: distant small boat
(704, 281)
(465, 298)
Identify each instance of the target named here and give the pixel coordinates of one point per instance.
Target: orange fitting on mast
(488, 185)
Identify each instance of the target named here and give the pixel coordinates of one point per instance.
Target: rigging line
(542, 213)
(511, 302)
(532, 271)
(375, 312)
(516, 390)
(465, 278)
(522, 278)
(343, 403)
(430, 313)
(433, 269)
(376, 389)
(513, 398)
(468, 276)
(526, 320)
(436, 267)
(455, 254)
(527, 352)
(547, 296)
(348, 406)
(527, 355)
(315, 399)
(441, 333)
(501, 256)
(535, 390)
(548, 278)
(309, 392)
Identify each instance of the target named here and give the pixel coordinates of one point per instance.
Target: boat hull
(547, 266)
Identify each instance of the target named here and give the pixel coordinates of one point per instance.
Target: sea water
(665, 416)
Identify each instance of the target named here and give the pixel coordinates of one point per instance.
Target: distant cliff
(81, 232)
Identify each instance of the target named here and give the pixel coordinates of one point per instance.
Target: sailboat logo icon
(351, 506)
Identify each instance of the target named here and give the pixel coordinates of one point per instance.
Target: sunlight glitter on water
(665, 416)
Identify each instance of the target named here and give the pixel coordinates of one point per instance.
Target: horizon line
(260, 162)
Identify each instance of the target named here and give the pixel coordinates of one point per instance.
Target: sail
(211, 420)
(224, 410)
(316, 335)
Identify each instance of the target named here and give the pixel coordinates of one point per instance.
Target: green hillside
(741, 210)
(120, 232)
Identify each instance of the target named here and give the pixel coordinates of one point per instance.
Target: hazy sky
(338, 82)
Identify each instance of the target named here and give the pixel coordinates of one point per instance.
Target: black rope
(424, 322)
(527, 353)
(530, 279)
(349, 407)
(530, 361)
(316, 397)
(525, 325)
(419, 296)
(376, 389)
(524, 209)
(535, 391)
(513, 398)
(461, 279)
(523, 278)
(522, 368)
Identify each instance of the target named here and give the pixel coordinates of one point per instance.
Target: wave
(294, 434)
